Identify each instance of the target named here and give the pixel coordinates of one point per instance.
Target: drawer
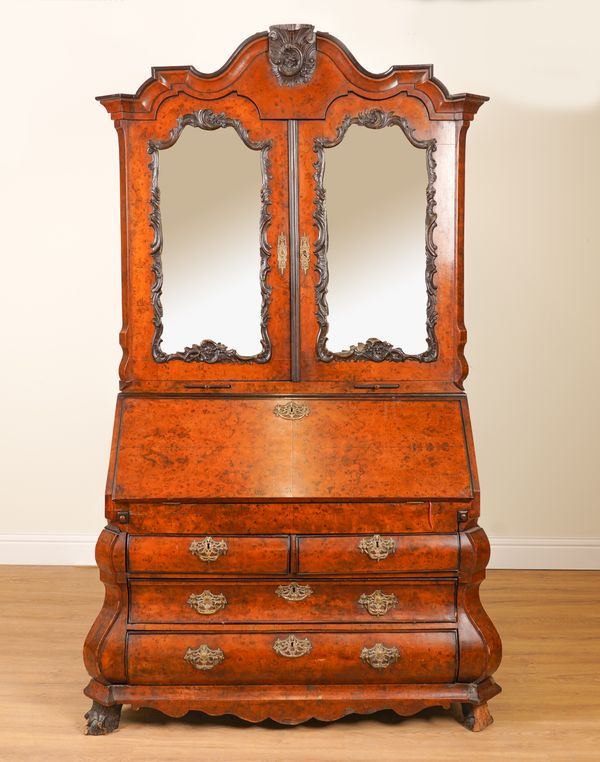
(301, 658)
(173, 554)
(364, 554)
(184, 602)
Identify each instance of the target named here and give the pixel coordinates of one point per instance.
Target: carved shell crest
(292, 53)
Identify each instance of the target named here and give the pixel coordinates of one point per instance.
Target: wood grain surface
(549, 708)
(211, 449)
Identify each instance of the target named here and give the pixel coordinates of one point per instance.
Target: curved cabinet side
(480, 644)
(104, 649)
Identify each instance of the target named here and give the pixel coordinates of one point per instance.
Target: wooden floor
(549, 710)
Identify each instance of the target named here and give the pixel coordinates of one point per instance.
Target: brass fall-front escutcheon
(291, 411)
(378, 603)
(294, 591)
(292, 647)
(377, 547)
(379, 656)
(281, 252)
(207, 602)
(203, 657)
(208, 549)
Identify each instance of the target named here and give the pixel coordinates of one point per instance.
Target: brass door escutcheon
(294, 591)
(281, 252)
(304, 253)
(291, 411)
(292, 647)
(377, 547)
(378, 603)
(208, 549)
(203, 657)
(207, 602)
(379, 656)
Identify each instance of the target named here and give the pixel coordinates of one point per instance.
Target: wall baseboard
(48, 549)
(507, 552)
(545, 553)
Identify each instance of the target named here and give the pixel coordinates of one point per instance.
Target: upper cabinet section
(292, 217)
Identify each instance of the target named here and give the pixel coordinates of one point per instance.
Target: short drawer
(301, 658)
(222, 601)
(363, 554)
(203, 554)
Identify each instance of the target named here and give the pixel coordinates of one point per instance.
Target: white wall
(532, 241)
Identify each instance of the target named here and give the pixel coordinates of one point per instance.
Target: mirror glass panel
(376, 203)
(210, 185)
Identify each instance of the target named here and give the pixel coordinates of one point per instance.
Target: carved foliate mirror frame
(376, 350)
(209, 351)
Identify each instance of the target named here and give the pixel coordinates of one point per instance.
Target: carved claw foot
(477, 717)
(102, 719)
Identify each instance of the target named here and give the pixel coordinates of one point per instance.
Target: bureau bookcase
(292, 504)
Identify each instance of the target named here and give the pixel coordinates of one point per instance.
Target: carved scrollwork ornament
(207, 602)
(209, 351)
(207, 549)
(292, 647)
(294, 591)
(292, 53)
(377, 547)
(379, 656)
(203, 657)
(378, 603)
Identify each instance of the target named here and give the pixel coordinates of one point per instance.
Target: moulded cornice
(165, 80)
(417, 81)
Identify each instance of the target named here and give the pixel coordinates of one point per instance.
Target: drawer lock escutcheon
(379, 656)
(208, 549)
(294, 591)
(292, 647)
(377, 547)
(207, 602)
(378, 603)
(203, 657)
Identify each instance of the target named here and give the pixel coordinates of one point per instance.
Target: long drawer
(173, 554)
(356, 554)
(184, 602)
(221, 658)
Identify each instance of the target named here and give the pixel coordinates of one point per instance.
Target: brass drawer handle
(377, 547)
(281, 252)
(203, 657)
(292, 647)
(207, 602)
(208, 549)
(378, 603)
(291, 411)
(379, 656)
(294, 592)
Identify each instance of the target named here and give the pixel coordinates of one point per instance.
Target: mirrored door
(369, 302)
(219, 257)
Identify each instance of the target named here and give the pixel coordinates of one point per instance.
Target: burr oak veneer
(292, 529)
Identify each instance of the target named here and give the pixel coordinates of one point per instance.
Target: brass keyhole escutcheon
(282, 252)
(304, 253)
(208, 550)
(377, 547)
(291, 411)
